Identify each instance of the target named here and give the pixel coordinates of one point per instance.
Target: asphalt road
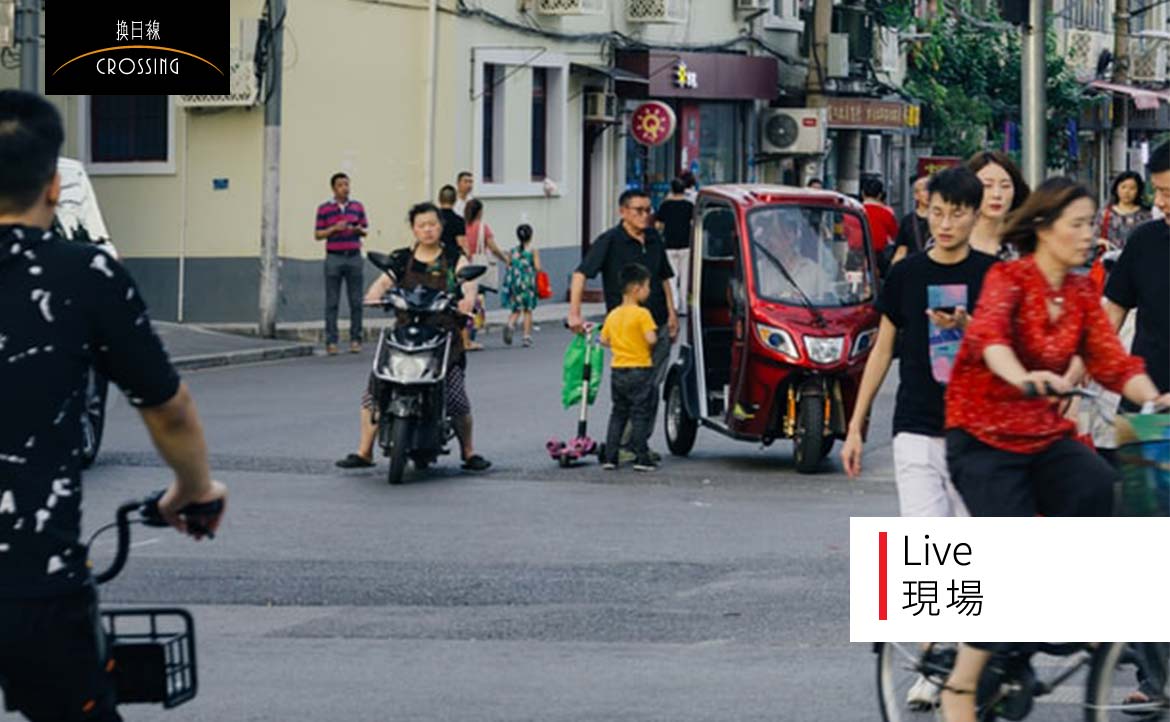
(715, 589)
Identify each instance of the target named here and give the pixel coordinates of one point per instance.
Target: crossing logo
(135, 47)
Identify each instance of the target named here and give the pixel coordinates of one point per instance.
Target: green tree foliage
(966, 76)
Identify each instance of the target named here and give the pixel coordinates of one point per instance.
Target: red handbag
(543, 286)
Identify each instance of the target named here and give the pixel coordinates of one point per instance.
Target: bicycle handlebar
(147, 509)
(1030, 391)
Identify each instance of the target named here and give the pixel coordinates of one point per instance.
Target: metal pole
(1034, 73)
(29, 37)
(1120, 76)
(269, 225)
(432, 79)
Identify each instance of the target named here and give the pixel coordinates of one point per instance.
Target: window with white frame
(127, 134)
(784, 15)
(521, 114)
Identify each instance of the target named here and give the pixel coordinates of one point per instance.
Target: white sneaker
(923, 695)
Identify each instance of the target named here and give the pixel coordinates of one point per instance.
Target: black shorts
(53, 661)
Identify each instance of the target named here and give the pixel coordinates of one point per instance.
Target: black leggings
(1064, 479)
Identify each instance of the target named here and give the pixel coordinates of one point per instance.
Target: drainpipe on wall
(432, 80)
(183, 215)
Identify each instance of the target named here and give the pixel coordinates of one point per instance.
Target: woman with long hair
(1004, 190)
(1010, 451)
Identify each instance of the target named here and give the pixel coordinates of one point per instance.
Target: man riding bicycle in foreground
(65, 307)
(1010, 450)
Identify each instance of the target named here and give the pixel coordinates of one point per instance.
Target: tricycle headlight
(778, 340)
(824, 350)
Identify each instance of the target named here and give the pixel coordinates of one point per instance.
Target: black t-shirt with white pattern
(64, 308)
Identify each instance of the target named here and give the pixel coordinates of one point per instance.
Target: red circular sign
(653, 123)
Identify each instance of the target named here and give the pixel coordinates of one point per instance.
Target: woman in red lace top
(1010, 455)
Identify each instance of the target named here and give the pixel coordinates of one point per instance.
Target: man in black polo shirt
(634, 240)
(67, 307)
(1139, 280)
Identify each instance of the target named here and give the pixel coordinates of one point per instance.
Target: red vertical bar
(881, 576)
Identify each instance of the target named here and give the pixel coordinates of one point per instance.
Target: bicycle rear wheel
(909, 677)
(1121, 669)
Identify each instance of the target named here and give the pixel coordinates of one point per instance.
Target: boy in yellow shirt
(630, 332)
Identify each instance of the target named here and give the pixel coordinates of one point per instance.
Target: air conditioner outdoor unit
(570, 7)
(838, 56)
(751, 5)
(1081, 51)
(1147, 61)
(244, 90)
(794, 131)
(244, 87)
(885, 49)
(657, 11)
(600, 107)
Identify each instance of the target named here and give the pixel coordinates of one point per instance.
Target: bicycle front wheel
(1128, 681)
(910, 676)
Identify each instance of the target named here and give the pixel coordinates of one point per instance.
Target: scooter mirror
(381, 260)
(470, 273)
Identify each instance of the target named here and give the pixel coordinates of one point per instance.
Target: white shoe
(923, 695)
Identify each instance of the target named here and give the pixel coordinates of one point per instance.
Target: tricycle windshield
(809, 255)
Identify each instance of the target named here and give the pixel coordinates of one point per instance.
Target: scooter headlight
(778, 340)
(410, 367)
(824, 350)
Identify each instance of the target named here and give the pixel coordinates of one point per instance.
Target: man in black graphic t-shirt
(926, 301)
(67, 307)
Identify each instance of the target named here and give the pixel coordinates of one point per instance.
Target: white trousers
(924, 484)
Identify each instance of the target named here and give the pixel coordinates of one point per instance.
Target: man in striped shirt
(341, 223)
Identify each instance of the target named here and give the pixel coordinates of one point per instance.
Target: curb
(234, 358)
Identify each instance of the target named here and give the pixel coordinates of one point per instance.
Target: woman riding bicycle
(1010, 454)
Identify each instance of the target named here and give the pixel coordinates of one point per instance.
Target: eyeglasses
(641, 210)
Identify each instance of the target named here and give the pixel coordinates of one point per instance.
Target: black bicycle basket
(153, 655)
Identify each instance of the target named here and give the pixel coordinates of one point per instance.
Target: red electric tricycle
(780, 301)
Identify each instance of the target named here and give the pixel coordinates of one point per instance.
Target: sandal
(476, 463)
(355, 461)
(508, 331)
(474, 346)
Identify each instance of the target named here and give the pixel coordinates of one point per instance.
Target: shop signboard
(653, 123)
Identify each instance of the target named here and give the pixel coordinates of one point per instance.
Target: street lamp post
(1034, 107)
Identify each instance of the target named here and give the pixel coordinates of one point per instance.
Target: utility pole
(1120, 76)
(432, 80)
(818, 63)
(1033, 79)
(28, 27)
(270, 218)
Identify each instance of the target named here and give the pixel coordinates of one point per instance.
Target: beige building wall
(353, 102)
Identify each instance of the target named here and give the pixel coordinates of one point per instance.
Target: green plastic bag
(575, 360)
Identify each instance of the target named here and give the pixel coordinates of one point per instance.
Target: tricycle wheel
(680, 427)
(564, 461)
(399, 449)
(810, 444)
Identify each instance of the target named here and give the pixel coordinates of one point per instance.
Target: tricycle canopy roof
(748, 195)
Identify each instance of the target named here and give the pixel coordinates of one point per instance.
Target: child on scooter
(630, 333)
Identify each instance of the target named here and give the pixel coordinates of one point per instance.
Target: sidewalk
(193, 347)
(313, 332)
